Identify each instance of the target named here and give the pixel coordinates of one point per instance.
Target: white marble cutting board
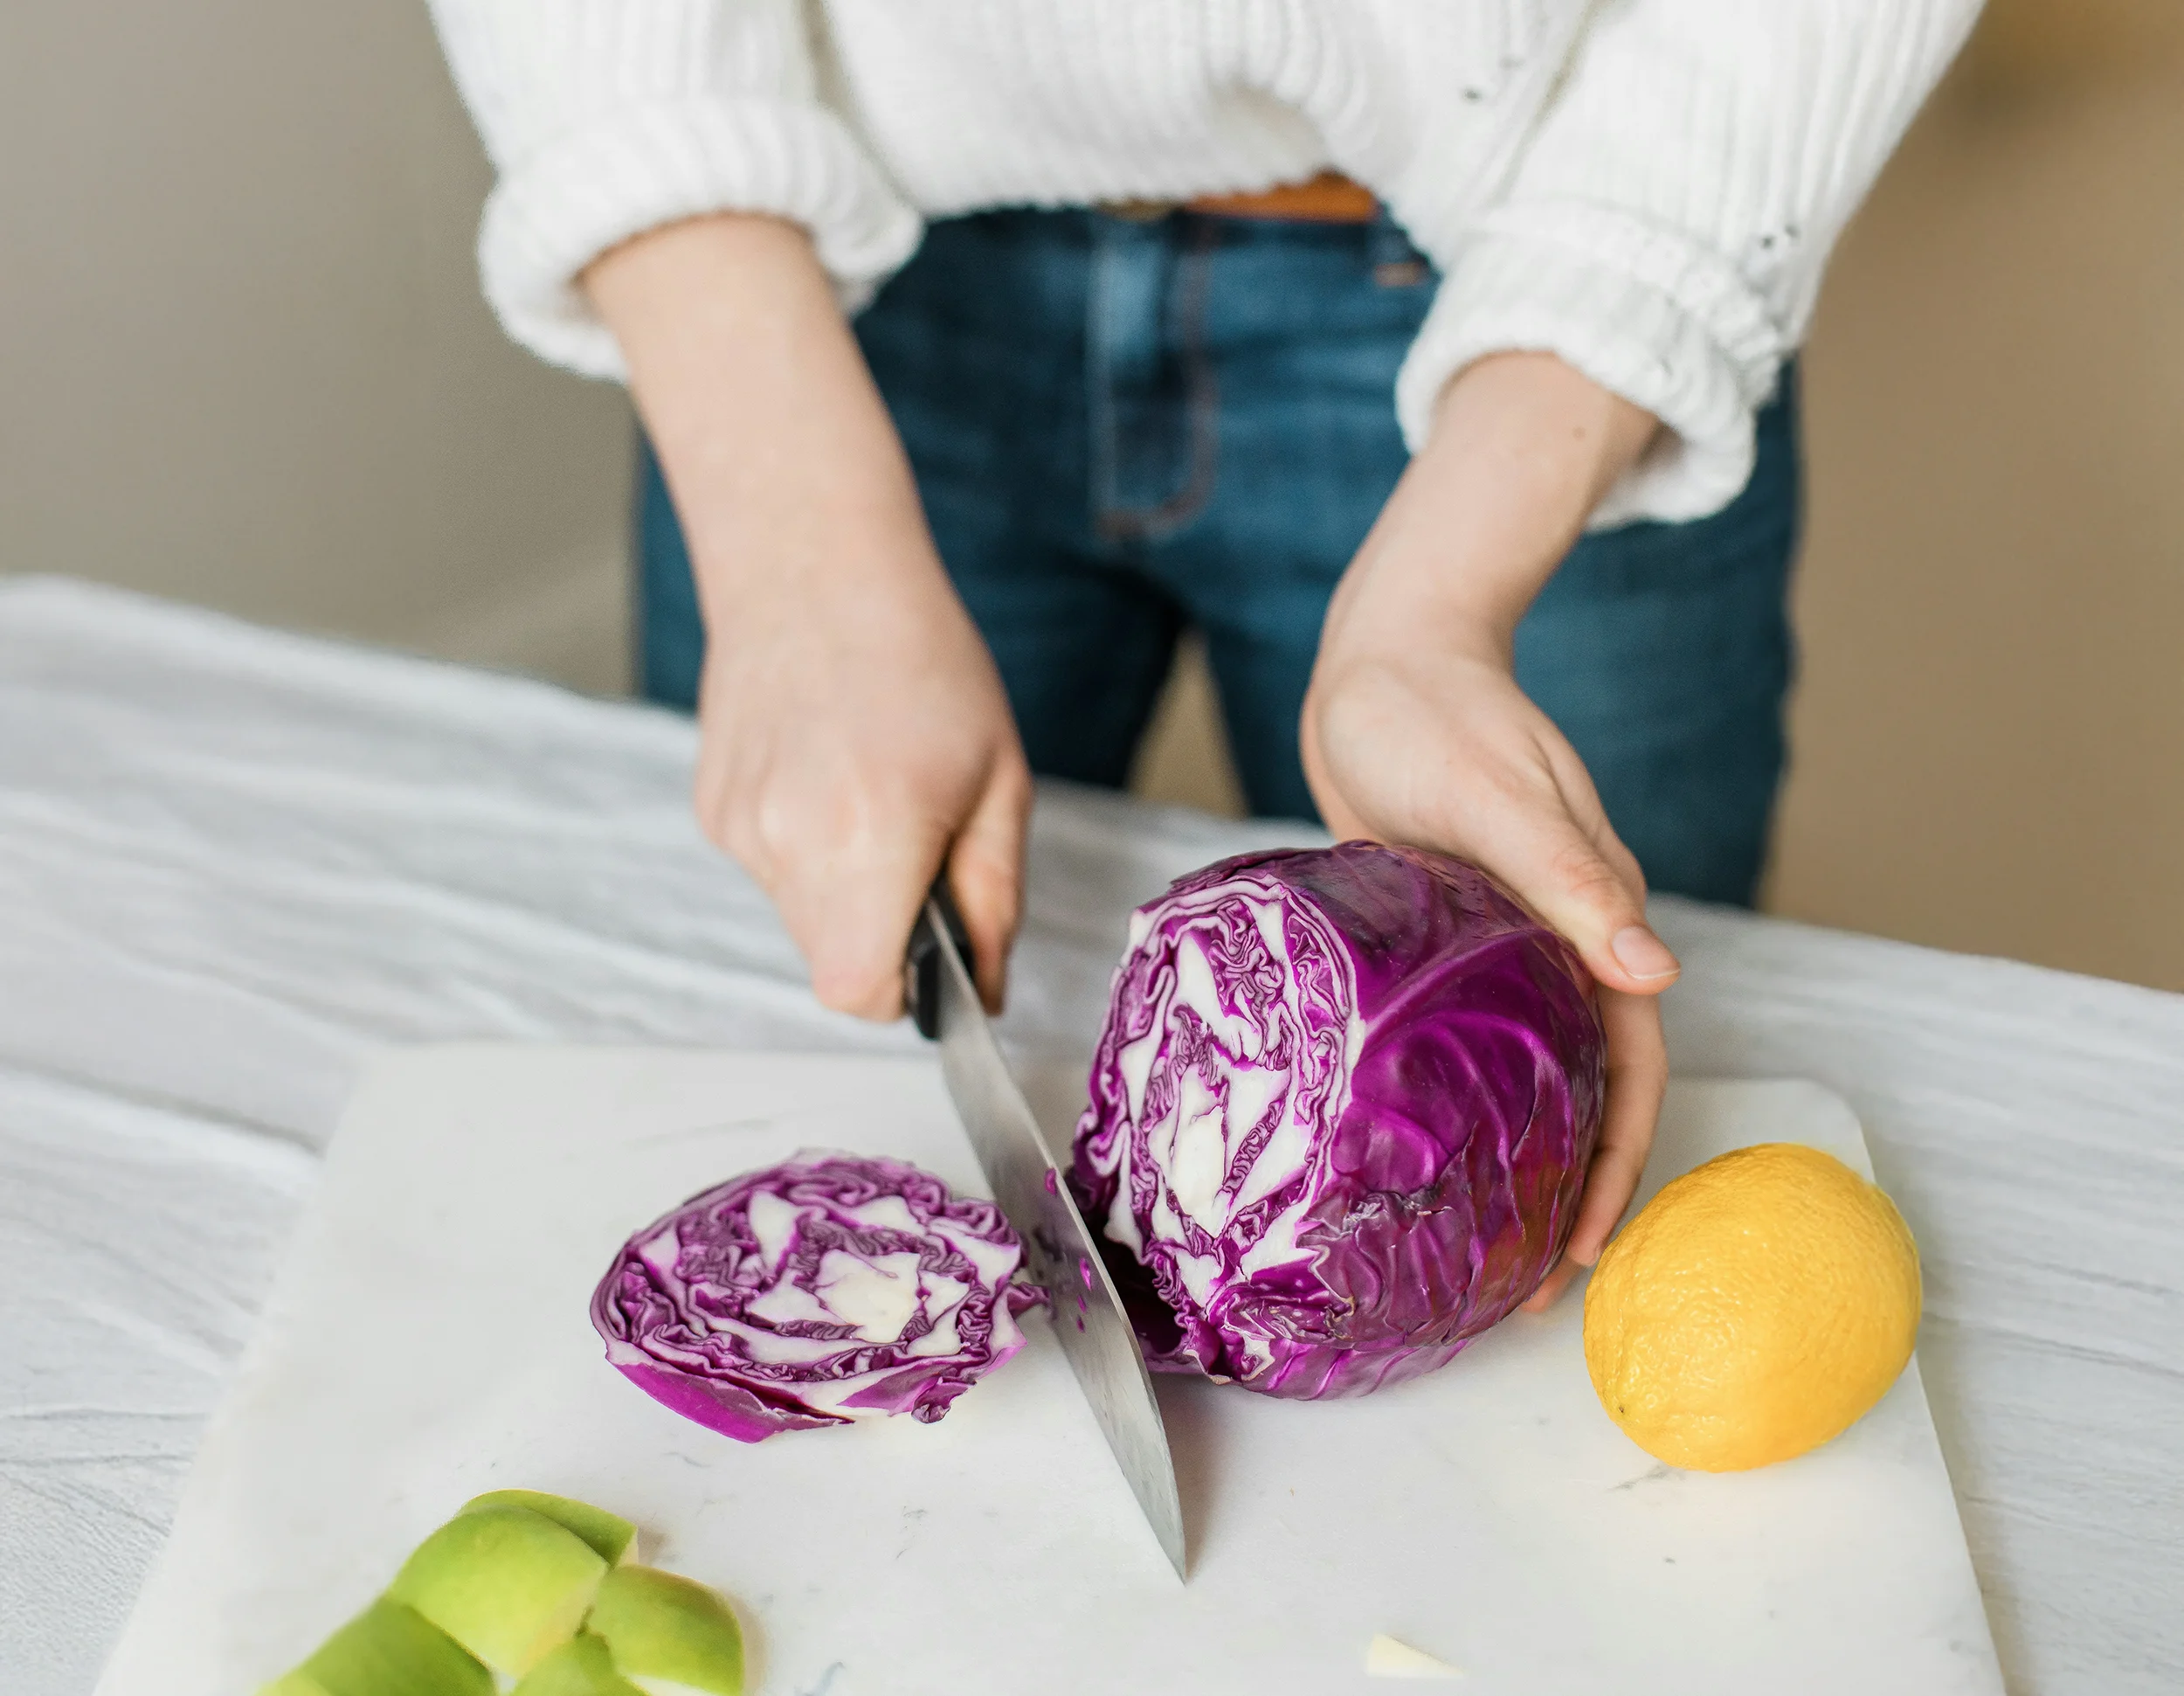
(428, 1339)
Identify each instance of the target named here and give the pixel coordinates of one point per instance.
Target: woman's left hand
(1414, 729)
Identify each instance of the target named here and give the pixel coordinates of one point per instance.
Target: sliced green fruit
(610, 1535)
(508, 1584)
(388, 1650)
(580, 1667)
(669, 1636)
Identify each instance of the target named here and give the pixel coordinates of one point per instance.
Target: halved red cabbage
(1340, 1116)
(829, 1287)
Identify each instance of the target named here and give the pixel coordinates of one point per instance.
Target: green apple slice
(509, 1585)
(388, 1650)
(613, 1538)
(669, 1636)
(580, 1667)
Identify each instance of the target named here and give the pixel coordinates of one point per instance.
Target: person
(1433, 358)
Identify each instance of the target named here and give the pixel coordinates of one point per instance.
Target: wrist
(1543, 423)
(858, 592)
(1524, 448)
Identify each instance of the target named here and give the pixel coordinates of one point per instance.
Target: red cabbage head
(1341, 1113)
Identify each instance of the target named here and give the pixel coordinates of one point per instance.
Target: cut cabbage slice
(828, 1289)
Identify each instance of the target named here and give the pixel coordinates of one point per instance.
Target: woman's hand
(1414, 729)
(854, 734)
(852, 738)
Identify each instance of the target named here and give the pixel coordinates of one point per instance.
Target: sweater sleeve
(1665, 227)
(605, 118)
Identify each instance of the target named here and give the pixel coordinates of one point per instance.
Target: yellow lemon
(1757, 1307)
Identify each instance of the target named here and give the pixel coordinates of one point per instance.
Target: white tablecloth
(232, 863)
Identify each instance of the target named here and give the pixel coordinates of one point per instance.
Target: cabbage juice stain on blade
(1101, 1346)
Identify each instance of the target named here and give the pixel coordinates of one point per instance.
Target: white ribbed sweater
(1647, 187)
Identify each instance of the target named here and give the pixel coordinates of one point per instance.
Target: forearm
(785, 468)
(853, 736)
(1523, 449)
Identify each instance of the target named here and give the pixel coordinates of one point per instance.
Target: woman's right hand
(854, 738)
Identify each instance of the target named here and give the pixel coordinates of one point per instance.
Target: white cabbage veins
(1240, 1039)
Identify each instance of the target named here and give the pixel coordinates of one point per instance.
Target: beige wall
(243, 362)
(242, 357)
(1990, 735)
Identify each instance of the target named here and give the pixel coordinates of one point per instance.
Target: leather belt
(1329, 198)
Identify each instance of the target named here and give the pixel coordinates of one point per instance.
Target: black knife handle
(921, 968)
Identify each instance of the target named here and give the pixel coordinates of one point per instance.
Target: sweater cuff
(1641, 311)
(635, 170)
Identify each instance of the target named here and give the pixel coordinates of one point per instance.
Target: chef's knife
(1059, 1252)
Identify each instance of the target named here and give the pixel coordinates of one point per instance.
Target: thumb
(1589, 888)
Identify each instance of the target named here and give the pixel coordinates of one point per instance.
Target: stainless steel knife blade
(1095, 1333)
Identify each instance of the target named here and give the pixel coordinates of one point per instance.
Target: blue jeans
(1123, 429)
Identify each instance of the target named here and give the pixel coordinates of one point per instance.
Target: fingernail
(1643, 954)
